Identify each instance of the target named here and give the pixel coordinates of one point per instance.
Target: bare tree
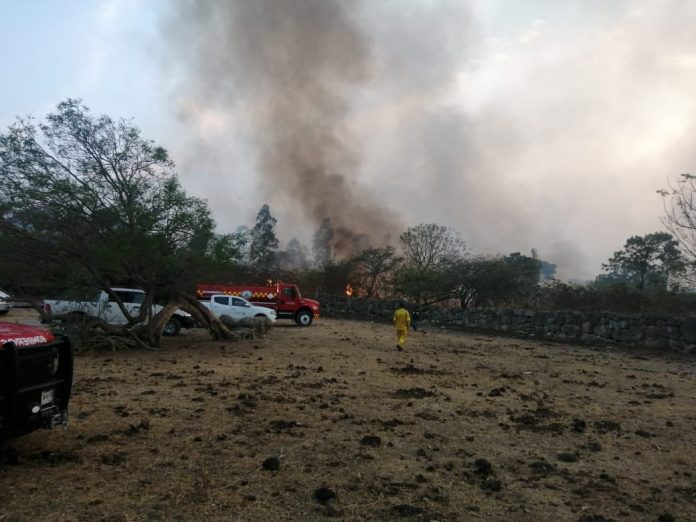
(680, 211)
(431, 246)
(372, 266)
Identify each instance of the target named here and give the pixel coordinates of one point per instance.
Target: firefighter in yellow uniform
(402, 322)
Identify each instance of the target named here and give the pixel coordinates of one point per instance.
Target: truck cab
(292, 305)
(36, 370)
(132, 300)
(237, 307)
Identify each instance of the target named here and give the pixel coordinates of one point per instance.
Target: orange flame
(349, 290)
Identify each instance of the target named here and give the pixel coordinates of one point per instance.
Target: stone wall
(656, 332)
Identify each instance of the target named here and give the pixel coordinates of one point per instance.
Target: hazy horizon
(540, 124)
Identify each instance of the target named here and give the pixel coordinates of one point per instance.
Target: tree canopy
(87, 200)
(372, 267)
(650, 261)
(430, 251)
(429, 246)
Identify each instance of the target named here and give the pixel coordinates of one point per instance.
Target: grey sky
(546, 124)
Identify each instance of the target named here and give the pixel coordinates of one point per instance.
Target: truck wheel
(304, 318)
(173, 327)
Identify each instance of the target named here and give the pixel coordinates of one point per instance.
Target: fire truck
(284, 298)
(36, 370)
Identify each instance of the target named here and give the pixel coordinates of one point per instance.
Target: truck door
(241, 308)
(134, 302)
(131, 301)
(99, 308)
(288, 300)
(220, 305)
(111, 312)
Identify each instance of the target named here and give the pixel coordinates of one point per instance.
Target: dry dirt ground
(332, 421)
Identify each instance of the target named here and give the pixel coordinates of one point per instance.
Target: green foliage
(87, 200)
(617, 297)
(477, 281)
(227, 259)
(230, 248)
(421, 286)
(430, 250)
(650, 261)
(492, 281)
(331, 278)
(523, 272)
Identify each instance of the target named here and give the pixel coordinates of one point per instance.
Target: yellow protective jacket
(402, 319)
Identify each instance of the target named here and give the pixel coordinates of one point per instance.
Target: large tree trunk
(87, 332)
(92, 332)
(152, 331)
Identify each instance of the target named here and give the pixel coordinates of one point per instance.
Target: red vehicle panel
(24, 335)
(36, 369)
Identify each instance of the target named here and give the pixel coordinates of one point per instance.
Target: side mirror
(248, 305)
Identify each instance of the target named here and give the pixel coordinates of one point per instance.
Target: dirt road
(332, 421)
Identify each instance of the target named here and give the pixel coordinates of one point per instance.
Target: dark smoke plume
(511, 124)
(292, 68)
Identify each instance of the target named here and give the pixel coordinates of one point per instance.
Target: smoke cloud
(292, 68)
(536, 125)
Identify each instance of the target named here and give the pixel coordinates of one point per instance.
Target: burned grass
(299, 426)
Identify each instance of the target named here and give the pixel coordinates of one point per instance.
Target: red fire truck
(284, 298)
(36, 370)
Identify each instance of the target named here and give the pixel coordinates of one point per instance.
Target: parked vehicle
(36, 370)
(105, 308)
(284, 298)
(6, 303)
(237, 307)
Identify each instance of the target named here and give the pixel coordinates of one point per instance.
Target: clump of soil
(324, 495)
(413, 393)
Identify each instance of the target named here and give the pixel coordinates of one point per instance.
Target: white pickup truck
(237, 307)
(105, 308)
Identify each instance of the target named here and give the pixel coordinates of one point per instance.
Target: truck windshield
(290, 292)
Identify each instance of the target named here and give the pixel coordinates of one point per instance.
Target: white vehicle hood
(263, 310)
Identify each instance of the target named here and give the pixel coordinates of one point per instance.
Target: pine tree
(321, 244)
(264, 242)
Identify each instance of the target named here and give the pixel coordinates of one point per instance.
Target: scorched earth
(330, 420)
